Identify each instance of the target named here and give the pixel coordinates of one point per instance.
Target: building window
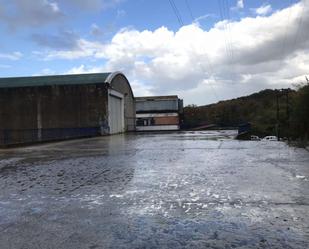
(145, 121)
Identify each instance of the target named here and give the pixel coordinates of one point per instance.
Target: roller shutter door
(116, 114)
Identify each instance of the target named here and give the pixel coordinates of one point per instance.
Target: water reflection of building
(158, 113)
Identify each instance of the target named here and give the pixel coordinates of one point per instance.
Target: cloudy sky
(204, 51)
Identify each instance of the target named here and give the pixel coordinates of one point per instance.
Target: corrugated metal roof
(71, 79)
(167, 97)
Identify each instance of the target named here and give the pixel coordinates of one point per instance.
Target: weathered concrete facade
(45, 108)
(158, 113)
(120, 84)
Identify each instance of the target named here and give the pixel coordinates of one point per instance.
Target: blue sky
(206, 51)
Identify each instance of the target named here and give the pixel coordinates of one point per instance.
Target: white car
(270, 138)
(255, 138)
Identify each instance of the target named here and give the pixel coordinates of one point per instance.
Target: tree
(300, 115)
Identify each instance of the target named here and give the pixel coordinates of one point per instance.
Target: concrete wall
(31, 114)
(158, 128)
(158, 113)
(151, 105)
(157, 121)
(121, 84)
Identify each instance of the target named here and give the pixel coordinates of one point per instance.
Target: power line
(284, 41)
(176, 12)
(224, 8)
(298, 28)
(283, 46)
(230, 40)
(190, 10)
(178, 16)
(211, 72)
(225, 36)
(299, 24)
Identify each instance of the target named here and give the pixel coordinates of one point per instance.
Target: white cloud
(84, 48)
(202, 65)
(84, 69)
(92, 5)
(140, 89)
(206, 16)
(263, 10)
(240, 4)
(99, 31)
(95, 30)
(64, 39)
(11, 56)
(45, 71)
(29, 13)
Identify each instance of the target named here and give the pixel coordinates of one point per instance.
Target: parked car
(270, 138)
(255, 138)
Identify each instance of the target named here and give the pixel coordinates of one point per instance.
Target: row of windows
(145, 121)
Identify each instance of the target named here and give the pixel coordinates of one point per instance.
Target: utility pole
(288, 112)
(277, 125)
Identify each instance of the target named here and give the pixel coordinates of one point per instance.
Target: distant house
(158, 113)
(44, 108)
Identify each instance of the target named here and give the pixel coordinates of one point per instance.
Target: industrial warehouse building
(44, 108)
(158, 113)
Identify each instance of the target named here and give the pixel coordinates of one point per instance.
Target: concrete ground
(177, 190)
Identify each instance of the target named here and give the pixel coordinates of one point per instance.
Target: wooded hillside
(260, 109)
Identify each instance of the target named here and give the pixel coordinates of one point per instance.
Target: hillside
(260, 109)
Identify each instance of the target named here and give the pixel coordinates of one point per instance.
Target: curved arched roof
(111, 76)
(69, 79)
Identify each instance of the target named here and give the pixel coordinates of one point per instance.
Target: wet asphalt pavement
(177, 190)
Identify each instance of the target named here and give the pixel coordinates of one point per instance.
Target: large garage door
(116, 113)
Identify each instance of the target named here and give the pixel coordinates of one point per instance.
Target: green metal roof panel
(72, 79)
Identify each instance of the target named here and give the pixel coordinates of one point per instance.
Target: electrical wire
(176, 12)
(284, 41)
(224, 15)
(299, 24)
(209, 64)
(298, 28)
(228, 25)
(190, 10)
